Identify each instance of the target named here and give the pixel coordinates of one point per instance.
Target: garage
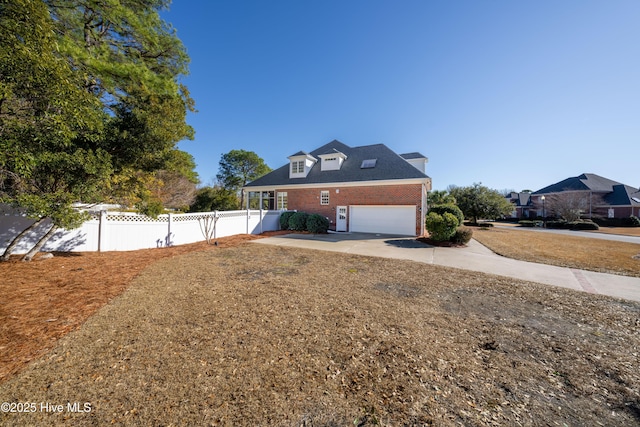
(383, 219)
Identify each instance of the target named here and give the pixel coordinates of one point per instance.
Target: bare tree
(208, 226)
(571, 205)
(176, 191)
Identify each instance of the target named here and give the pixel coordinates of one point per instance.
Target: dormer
(300, 164)
(416, 160)
(332, 161)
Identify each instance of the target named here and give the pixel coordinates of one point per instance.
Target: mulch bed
(45, 299)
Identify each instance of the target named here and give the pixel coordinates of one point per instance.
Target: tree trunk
(7, 252)
(40, 244)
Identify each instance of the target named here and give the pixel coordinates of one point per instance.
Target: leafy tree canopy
(480, 202)
(90, 104)
(209, 199)
(238, 168)
(440, 197)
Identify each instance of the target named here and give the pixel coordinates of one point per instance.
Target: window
(368, 164)
(324, 197)
(297, 167)
(282, 200)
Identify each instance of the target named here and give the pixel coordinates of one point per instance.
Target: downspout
(423, 209)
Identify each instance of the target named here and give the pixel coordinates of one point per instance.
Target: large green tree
(209, 199)
(44, 112)
(238, 168)
(90, 104)
(480, 202)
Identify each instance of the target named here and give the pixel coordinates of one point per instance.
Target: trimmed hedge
(462, 236)
(284, 219)
(526, 223)
(298, 221)
(630, 221)
(441, 227)
(452, 209)
(302, 221)
(317, 224)
(584, 225)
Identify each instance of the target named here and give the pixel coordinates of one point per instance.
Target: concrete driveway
(475, 257)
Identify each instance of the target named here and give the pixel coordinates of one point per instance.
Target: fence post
(102, 232)
(248, 218)
(215, 224)
(167, 242)
(261, 219)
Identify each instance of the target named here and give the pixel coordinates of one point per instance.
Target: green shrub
(558, 224)
(441, 227)
(526, 223)
(452, 209)
(633, 221)
(317, 224)
(284, 219)
(584, 225)
(630, 221)
(298, 221)
(462, 236)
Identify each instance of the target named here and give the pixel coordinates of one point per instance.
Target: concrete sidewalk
(474, 257)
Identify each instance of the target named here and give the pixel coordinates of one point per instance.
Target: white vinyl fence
(107, 231)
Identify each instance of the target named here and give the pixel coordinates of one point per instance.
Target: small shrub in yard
(450, 208)
(317, 224)
(633, 221)
(462, 236)
(559, 224)
(584, 225)
(298, 221)
(284, 219)
(526, 223)
(441, 227)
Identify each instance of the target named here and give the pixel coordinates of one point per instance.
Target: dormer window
(332, 161)
(297, 167)
(300, 164)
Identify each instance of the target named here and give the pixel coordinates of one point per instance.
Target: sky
(515, 95)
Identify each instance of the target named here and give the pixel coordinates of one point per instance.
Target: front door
(341, 218)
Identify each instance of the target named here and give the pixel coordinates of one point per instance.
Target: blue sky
(513, 94)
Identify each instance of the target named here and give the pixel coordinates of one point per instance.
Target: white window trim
(297, 167)
(324, 198)
(282, 200)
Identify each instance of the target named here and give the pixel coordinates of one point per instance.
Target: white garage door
(383, 219)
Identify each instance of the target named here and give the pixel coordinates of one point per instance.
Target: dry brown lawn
(566, 251)
(260, 335)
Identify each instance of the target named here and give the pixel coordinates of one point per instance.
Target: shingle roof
(586, 181)
(613, 192)
(622, 195)
(389, 165)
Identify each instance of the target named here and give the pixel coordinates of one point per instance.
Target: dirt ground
(243, 334)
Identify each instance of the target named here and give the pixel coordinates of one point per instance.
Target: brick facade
(308, 199)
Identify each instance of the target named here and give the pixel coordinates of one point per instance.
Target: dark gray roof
(389, 165)
(613, 192)
(586, 181)
(414, 155)
(622, 195)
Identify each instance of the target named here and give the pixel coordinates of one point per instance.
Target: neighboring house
(360, 189)
(595, 195)
(523, 206)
